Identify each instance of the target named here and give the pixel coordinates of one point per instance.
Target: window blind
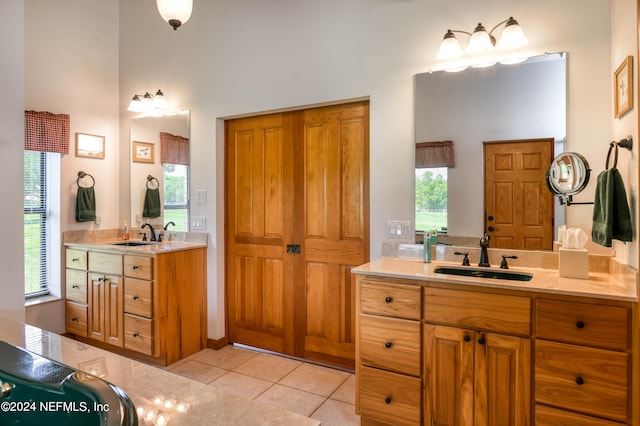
(35, 223)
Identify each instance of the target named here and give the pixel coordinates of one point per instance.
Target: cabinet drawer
(548, 416)
(106, 263)
(138, 334)
(76, 285)
(395, 300)
(390, 397)
(138, 297)
(391, 344)
(587, 380)
(75, 318)
(493, 312)
(138, 267)
(582, 323)
(76, 259)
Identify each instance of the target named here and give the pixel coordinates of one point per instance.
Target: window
(176, 195)
(431, 199)
(35, 223)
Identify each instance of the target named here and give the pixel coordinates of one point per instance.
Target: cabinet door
(503, 380)
(96, 306)
(449, 375)
(113, 310)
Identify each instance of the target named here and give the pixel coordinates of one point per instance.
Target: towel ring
(82, 175)
(151, 179)
(612, 145)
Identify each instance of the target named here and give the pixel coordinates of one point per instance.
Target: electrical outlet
(198, 223)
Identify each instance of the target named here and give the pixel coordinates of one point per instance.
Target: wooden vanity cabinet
(477, 358)
(583, 364)
(152, 306)
(389, 353)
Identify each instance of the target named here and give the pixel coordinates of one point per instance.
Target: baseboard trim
(218, 343)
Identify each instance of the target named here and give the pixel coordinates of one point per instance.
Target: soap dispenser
(125, 231)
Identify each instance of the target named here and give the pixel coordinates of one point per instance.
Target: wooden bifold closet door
(297, 221)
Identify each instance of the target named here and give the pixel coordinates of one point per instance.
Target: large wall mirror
(500, 103)
(159, 155)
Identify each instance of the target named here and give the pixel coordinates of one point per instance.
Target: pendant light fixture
(481, 41)
(175, 12)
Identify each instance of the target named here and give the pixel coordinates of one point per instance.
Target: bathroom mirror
(567, 175)
(498, 103)
(166, 158)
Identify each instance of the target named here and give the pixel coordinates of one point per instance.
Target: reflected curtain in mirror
(434, 154)
(174, 149)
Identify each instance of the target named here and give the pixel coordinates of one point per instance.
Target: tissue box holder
(573, 263)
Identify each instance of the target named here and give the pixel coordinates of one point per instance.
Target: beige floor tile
(227, 358)
(315, 379)
(268, 367)
(336, 413)
(241, 385)
(295, 400)
(347, 391)
(198, 371)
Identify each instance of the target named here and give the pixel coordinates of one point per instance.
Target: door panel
(259, 224)
(516, 196)
(297, 178)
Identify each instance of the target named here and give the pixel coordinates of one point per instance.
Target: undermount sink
(134, 243)
(499, 274)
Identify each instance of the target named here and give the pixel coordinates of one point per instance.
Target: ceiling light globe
(175, 12)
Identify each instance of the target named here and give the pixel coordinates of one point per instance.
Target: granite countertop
(599, 284)
(205, 405)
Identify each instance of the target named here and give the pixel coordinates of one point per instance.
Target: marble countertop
(151, 248)
(599, 284)
(205, 405)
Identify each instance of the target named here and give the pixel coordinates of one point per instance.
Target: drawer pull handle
(75, 286)
(75, 259)
(135, 334)
(387, 400)
(388, 345)
(388, 299)
(579, 324)
(135, 267)
(579, 380)
(74, 319)
(467, 338)
(135, 298)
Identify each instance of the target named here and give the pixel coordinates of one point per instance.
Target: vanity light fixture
(147, 102)
(481, 41)
(175, 12)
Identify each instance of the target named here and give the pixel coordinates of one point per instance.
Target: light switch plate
(399, 229)
(198, 223)
(201, 196)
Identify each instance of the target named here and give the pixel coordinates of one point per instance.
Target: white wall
(71, 67)
(249, 56)
(11, 163)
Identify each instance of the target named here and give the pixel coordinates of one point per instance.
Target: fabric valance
(174, 149)
(434, 154)
(44, 131)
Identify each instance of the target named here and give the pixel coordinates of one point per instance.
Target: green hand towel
(85, 205)
(152, 206)
(611, 216)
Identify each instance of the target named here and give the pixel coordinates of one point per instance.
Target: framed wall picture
(623, 87)
(90, 146)
(142, 152)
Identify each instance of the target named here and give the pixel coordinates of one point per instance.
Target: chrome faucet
(484, 256)
(152, 231)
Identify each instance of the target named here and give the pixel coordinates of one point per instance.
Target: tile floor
(315, 391)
